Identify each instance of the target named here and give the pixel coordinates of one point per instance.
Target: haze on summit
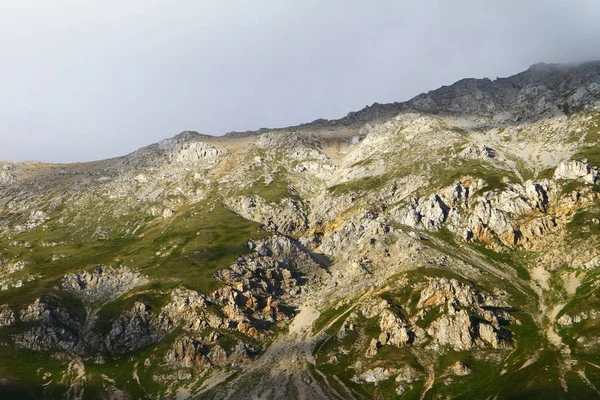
(90, 80)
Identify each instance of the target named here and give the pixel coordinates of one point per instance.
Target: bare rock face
(354, 233)
(394, 330)
(373, 347)
(188, 353)
(194, 151)
(258, 274)
(186, 308)
(246, 313)
(7, 317)
(533, 92)
(492, 336)
(204, 353)
(352, 256)
(48, 337)
(467, 323)
(8, 270)
(458, 331)
(141, 326)
(246, 304)
(6, 177)
(536, 229)
(132, 330)
(8, 267)
(426, 213)
(478, 216)
(520, 199)
(408, 374)
(187, 147)
(374, 375)
(485, 218)
(274, 269)
(463, 332)
(38, 310)
(498, 213)
(568, 319)
(318, 169)
(441, 314)
(288, 216)
(43, 309)
(34, 218)
(168, 213)
(460, 369)
(433, 212)
(287, 253)
(576, 170)
(102, 284)
(478, 152)
(441, 291)
(56, 330)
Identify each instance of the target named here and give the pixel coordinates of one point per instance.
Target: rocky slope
(445, 247)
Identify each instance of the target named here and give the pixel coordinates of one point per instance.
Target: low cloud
(83, 82)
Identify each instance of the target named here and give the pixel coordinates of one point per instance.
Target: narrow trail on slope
(287, 365)
(283, 367)
(429, 383)
(546, 317)
(472, 257)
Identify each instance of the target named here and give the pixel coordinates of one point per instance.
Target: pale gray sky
(84, 80)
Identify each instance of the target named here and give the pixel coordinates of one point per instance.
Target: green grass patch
(367, 183)
(24, 369)
(495, 179)
(445, 235)
(329, 315)
(517, 259)
(582, 225)
(274, 192)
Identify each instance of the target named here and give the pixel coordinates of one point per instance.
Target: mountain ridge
(415, 255)
(422, 103)
(539, 71)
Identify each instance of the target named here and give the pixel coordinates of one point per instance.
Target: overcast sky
(85, 80)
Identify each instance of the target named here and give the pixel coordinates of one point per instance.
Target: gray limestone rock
(7, 316)
(576, 170)
(102, 284)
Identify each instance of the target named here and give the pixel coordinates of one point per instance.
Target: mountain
(444, 247)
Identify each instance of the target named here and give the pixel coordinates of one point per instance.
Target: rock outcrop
(408, 249)
(102, 284)
(7, 316)
(132, 330)
(576, 170)
(469, 321)
(202, 354)
(394, 330)
(287, 217)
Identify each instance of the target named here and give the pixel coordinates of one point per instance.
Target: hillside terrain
(447, 247)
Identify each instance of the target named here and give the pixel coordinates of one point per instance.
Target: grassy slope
(193, 244)
(205, 237)
(505, 378)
